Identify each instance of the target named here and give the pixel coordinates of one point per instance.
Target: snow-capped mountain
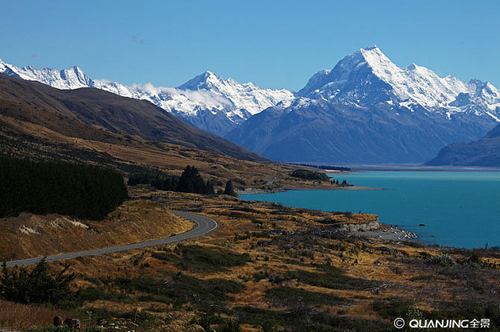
(207, 101)
(71, 78)
(364, 110)
(368, 110)
(369, 76)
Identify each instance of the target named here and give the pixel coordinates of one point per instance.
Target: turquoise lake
(459, 209)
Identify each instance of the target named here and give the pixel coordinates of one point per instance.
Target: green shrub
(442, 260)
(392, 307)
(331, 278)
(39, 285)
(289, 296)
(207, 259)
(183, 289)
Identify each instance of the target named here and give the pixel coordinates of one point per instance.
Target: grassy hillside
(271, 268)
(94, 114)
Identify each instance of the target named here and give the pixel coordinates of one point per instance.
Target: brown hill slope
(84, 113)
(97, 127)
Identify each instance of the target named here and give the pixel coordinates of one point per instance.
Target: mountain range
(97, 115)
(207, 101)
(368, 110)
(364, 110)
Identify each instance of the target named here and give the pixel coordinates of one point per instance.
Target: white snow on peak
(70, 78)
(368, 77)
(482, 94)
(416, 83)
(244, 96)
(205, 92)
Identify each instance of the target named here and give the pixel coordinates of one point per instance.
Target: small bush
(392, 307)
(198, 258)
(183, 289)
(331, 278)
(442, 260)
(289, 296)
(39, 285)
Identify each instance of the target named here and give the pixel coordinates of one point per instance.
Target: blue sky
(272, 43)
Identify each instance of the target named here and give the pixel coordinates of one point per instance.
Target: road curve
(204, 225)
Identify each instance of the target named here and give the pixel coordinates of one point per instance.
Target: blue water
(459, 209)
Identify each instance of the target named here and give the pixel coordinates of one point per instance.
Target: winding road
(204, 225)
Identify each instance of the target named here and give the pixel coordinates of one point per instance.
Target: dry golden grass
(172, 158)
(136, 220)
(278, 240)
(22, 317)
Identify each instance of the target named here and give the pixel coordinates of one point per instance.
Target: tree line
(72, 189)
(190, 181)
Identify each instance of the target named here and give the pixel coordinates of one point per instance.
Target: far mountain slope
(484, 152)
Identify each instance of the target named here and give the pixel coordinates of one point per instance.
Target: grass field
(271, 268)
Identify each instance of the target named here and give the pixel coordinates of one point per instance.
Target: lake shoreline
(459, 209)
(251, 191)
(390, 233)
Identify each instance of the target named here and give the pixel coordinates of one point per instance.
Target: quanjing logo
(483, 323)
(399, 323)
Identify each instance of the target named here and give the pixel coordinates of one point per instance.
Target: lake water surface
(459, 209)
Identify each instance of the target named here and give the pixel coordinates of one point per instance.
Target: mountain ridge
(483, 152)
(207, 101)
(95, 114)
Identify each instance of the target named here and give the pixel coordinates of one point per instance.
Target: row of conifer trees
(44, 187)
(190, 181)
(80, 190)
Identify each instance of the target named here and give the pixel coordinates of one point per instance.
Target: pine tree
(229, 189)
(58, 187)
(210, 188)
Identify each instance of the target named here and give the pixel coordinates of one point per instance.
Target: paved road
(204, 225)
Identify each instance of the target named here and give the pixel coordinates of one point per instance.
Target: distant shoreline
(252, 191)
(419, 168)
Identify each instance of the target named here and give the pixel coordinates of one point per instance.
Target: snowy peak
(369, 73)
(243, 96)
(481, 96)
(70, 78)
(485, 90)
(381, 65)
(206, 81)
(415, 83)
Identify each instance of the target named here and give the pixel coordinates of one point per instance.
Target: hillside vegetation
(55, 187)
